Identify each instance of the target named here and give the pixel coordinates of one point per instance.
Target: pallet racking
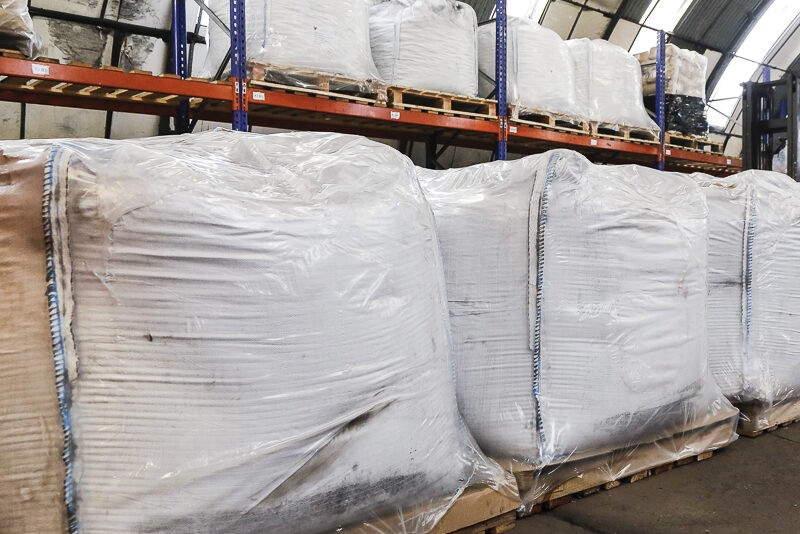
(247, 104)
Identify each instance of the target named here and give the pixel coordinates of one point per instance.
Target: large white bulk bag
(754, 236)
(729, 205)
(540, 73)
(774, 323)
(328, 36)
(260, 335)
(426, 44)
(577, 299)
(16, 28)
(609, 80)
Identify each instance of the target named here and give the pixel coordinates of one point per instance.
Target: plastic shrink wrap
(685, 72)
(540, 76)
(577, 299)
(426, 44)
(16, 28)
(260, 336)
(609, 80)
(754, 298)
(298, 40)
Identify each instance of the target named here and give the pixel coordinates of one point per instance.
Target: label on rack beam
(668, 152)
(512, 129)
(593, 142)
(40, 70)
(258, 96)
(394, 115)
(728, 162)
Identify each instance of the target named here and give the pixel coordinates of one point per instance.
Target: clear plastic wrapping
(16, 28)
(426, 44)
(577, 300)
(301, 41)
(685, 72)
(255, 336)
(609, 81)
(754, 238)
(540, 77)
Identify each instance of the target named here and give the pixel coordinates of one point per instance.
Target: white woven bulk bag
(16, 28)
(328, 36)
(577, 297)
(540, 72)
(772, 331)
(426, 44)
(729, 205)
(260, 337)
(609, 83)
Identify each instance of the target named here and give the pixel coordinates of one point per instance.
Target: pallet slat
(692, 143)
(308, 78)
(443, 103)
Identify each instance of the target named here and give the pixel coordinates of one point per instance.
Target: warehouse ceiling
(725, 31)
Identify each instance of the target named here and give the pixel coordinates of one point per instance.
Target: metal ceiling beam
(738, 38)
(113, 25)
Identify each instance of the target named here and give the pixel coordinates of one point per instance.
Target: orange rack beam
(46, 81)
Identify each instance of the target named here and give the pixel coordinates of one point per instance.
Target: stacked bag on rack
(426, 44)
(16, 28)
(582, 79)
(423, 44)
(224, 333)
(299, 41)
(754, 295)
(685, 89)
(577, 301)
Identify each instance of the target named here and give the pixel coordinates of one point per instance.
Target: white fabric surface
(609, 81)
(577, 304)
(772, 353)
(329, 36)
(729, 206)
(426, 44)
(540, 73)
(261, 335)
(754, 308)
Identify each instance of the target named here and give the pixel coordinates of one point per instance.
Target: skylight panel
(759, 41)
(661, 15)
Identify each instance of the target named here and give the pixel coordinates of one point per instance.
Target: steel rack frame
(49, 82)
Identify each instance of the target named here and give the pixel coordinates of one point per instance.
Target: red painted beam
(703, 157)
(365, 111)
(579, 140)
(78, 75)
(71, 101)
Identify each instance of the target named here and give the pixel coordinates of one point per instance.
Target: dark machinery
(769, 128)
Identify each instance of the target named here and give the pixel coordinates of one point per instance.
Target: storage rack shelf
(49, 82)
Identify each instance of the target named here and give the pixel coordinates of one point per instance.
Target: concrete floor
(753, 486)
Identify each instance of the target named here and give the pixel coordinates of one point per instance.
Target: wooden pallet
(549, 120)
(625, 466)
(478, 510)
(316, 93)
(577, 488)
(692, 143)
(757, 419)
(627, 133)
(441, 103)
(321, 81)
(89, 89)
